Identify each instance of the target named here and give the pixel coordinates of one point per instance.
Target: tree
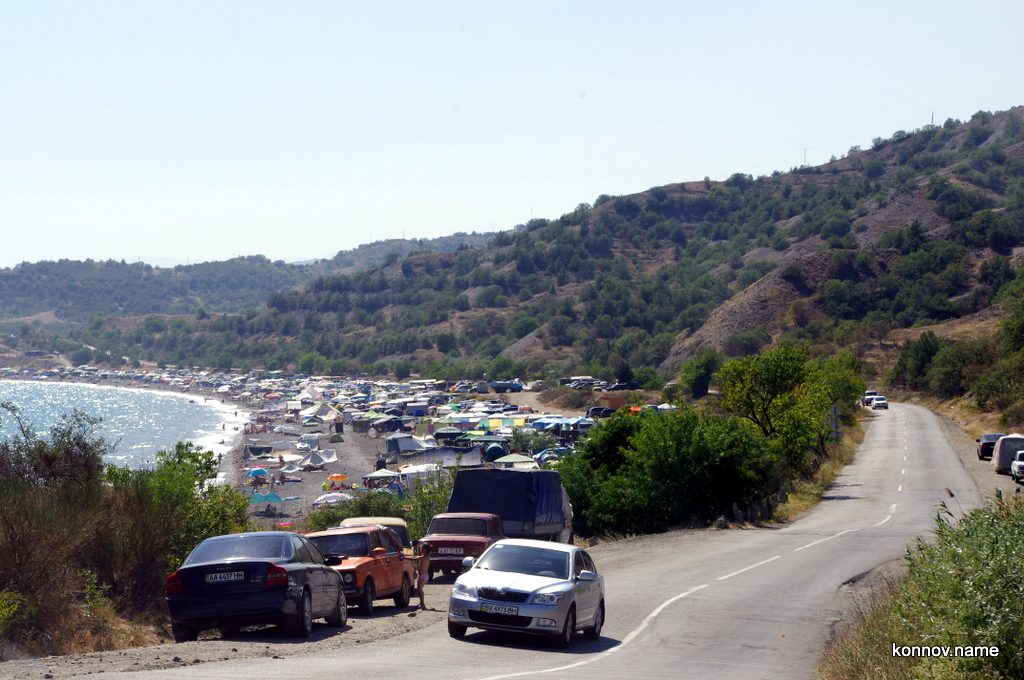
(759, 388)
(698, 370)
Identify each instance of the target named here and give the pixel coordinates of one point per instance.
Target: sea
(136, 423)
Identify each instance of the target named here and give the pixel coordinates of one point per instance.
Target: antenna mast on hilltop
(933, 118)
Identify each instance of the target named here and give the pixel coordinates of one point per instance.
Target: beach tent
(271, 497)
(313, 461)
(310, 440)
(514, 458)
(328, 455)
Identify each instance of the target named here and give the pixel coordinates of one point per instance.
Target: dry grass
(861, 648)
(805, 494)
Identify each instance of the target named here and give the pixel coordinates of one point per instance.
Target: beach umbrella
(256, 472)
(337, 477)
(331, 498)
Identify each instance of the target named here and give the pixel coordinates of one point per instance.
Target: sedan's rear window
(352, 545)
(240, 547)
(522, 559)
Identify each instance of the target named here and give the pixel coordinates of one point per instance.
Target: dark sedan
(986, 443)
(231, 581)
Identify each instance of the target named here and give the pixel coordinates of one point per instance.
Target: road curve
(754, 603)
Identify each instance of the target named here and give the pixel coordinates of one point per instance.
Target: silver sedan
(529, 586)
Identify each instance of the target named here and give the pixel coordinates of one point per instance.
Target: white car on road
(529, 586)
(1017, 467)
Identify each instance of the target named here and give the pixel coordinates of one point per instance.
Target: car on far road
(879, 402)
(986, 444)
(236, 580)
(869, 395)
(528, 586)
(1017, 467)
(373, 564)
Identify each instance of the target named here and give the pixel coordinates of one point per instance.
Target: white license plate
(449, 551)
(225, 576)
(499, 609)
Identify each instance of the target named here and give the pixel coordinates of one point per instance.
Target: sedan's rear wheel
(594, 632)
(302, 623)
(339, 615)
(183, 633)
(568, 630)
(456, 630)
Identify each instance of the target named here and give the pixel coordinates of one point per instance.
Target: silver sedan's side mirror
(467, 562)
(586, 575)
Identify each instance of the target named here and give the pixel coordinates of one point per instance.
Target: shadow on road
(509, 640)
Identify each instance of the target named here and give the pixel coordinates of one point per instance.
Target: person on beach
(423, 571)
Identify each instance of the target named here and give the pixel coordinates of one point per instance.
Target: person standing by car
(423, 571)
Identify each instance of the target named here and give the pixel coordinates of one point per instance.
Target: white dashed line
(900, 488)
(740, 571)
(822, 540)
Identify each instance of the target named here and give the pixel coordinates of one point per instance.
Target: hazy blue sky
(190, 131)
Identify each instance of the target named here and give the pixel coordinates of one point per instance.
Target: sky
(174, 133)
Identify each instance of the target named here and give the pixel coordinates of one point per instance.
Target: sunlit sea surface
(136, 423)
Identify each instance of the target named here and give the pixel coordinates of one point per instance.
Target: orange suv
(373, 565)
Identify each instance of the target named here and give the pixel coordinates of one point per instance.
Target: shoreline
(227, 443)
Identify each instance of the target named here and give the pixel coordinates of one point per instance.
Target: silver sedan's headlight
(464, 590)
(548, 598)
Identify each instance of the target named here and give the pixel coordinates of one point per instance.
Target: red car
(454, 536)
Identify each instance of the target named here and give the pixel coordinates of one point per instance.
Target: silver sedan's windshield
(525, 559)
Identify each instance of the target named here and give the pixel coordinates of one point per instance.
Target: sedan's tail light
(173, 584)
(276, 576)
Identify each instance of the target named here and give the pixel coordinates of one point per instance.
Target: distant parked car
(985, 444)
(373, 565)
(1017, 467)
(600, 412)
(620, 386)
(235, 580)
(879, 402)
(529, 586)
(868, 397)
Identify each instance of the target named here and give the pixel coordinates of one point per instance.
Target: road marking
(822, 540)
(892, 510)
(625, 641)
(903, 471)
(740, 571)
(900, 488)
(904, 459)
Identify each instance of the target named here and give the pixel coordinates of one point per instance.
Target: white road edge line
(740, 571)
(625, 641)
(822, 540)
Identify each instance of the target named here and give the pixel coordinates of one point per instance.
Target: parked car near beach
(373, 565)
(529, 586)
(234, 580)
(454, 536)
(985, 444)
(1017, 467)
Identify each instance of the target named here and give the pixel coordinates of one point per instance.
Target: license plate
(499, 609)
(224, 576)
(449, 551)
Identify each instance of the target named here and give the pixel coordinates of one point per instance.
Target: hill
(73, 290)
(923, 228)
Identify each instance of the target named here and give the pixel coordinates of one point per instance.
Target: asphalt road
(749, 603)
